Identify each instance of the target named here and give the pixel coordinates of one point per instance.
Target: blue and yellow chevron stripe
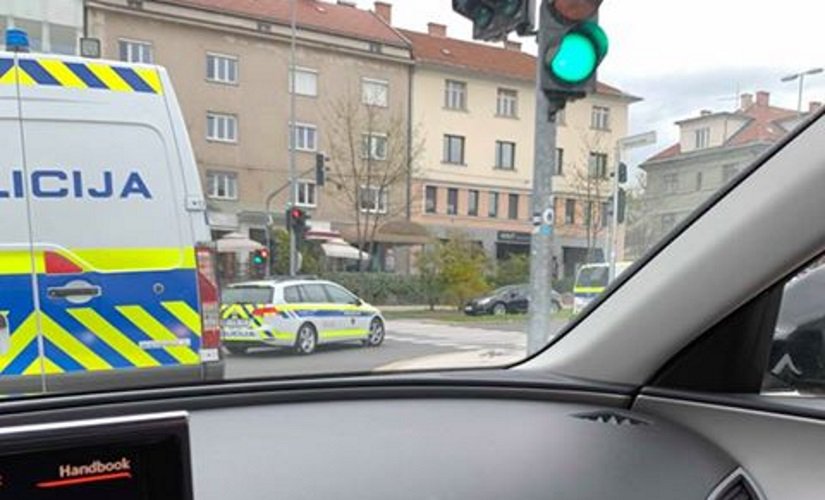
(80, 75)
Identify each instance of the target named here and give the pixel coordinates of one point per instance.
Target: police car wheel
(306, 340)
(377, 333)
(236, 349)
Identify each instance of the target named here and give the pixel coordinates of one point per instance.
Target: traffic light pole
(542, 241)
(293, 239)
(614, 219)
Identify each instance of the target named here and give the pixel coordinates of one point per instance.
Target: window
(492, 205)
(63, 39)
(452, 201)
(221, 69)
(222, 185)
(431, 199)
(559, 161)
(136, 52)
(292, 295)
(698, 181)
(512, 206)
(570, 212)
(507, 103)
(304, 137)
(505, 155)
(306, 82)
(605, 216)
(598, 165)
(374, 146)
(668, 221)
(33, 28)
(455, 95)
(314, 294)
(670, 183)
(375, 92)
(702, 137)
(600, 118)
(373, 199)
(729, 172)
(338, 295)
(472, 203)
(221, 127)
(454, 149)
(305, 193)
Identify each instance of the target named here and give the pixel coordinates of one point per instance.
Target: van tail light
(265, 311)
(58, 264)
(209, 296)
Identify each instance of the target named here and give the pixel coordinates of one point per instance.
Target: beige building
(474, 105)
(229, 61)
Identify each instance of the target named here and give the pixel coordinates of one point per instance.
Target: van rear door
(19, 337)
(118, 288)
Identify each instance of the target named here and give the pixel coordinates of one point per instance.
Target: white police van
(106, 273)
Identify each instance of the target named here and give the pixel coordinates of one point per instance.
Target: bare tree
(372, 158)
(642, 230)
(590, 183)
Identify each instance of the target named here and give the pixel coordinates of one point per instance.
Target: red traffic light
(574, 11)
(297, 214)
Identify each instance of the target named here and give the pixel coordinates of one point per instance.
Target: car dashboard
(416, 437)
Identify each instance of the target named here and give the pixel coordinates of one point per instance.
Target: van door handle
(63, 292)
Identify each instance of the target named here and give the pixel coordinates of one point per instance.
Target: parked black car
(511, 299)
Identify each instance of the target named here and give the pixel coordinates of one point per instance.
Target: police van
(106, 274)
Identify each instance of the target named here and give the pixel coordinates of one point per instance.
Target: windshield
(206, 192)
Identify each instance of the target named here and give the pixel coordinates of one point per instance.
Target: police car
(296, 313)
(106, 270)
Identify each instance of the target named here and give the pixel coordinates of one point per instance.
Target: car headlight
(484, 302)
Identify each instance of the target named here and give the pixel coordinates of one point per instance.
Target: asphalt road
(409, 344)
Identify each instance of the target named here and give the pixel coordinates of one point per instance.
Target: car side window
(314, 294)
(292, 295)
(340, 296)
(797, 358)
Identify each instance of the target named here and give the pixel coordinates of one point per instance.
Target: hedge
(383, 288)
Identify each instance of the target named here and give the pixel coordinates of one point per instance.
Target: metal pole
(614, 219)
(799, 101)
(542, 241)
(293, 241)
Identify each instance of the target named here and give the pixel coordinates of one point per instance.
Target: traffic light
(296, 220)
(622, 206)
(572, 45)
(259, 257)
(495, 19)
(622, 173)
(320, 169)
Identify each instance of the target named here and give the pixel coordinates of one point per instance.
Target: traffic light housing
(572, 45)
(259, 257)
(297, 219)
(494, 19)
(622, 173)
(320, 169)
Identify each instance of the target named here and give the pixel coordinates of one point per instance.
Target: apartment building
(474, 105)
(229, 61)
(712, 148)
(53, 26)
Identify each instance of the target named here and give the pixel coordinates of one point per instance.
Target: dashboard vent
(612, 418)
(737, 486)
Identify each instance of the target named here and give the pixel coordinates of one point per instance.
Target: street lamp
(801, 77)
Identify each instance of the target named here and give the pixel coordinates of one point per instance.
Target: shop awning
(397, 232)
(340, 249)
(237, 242)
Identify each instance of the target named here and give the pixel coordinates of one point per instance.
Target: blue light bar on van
(17, 40)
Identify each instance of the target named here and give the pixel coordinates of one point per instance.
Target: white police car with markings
(299, 314)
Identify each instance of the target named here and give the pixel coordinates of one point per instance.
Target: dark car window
(292, 295)
(314, 294)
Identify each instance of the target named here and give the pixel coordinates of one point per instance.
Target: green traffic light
(483, 16)
(511, 7)
(579, 54)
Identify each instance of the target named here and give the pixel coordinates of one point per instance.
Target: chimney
(763, 98)
(384, 11)
(513, 46)
(745, 101)
(438, 30)
(814, 106)
(705, 112)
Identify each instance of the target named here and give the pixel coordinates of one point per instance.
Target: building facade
(474, 105)
(712, 149)
(53, 27)
(229, 62)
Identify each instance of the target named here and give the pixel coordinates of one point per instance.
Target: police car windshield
(390, 179)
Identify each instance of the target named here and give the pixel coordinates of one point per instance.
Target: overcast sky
(684, 56)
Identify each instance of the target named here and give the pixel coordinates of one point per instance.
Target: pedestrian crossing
(454, 337)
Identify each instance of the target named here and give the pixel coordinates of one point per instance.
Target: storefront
(509, 243)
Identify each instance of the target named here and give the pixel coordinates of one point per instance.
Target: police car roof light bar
(17, 40)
